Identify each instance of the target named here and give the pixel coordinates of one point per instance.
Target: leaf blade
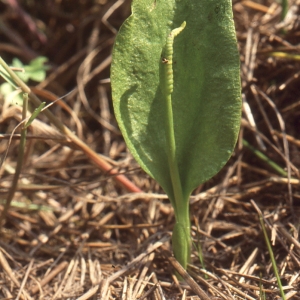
(206, 97)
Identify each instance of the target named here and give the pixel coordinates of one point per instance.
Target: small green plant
(8, 75)
(36, 71)
(178, 101)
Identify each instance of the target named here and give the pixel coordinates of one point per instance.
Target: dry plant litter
(75, 232)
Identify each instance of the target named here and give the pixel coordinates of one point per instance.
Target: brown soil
(77, 229)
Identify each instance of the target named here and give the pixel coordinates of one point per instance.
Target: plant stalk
(273, 260)
(20, 159)
(181, 232)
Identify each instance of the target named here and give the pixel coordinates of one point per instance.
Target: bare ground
(77, 229)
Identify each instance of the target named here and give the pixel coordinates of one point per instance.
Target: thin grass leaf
(7, 77)
(35, 114)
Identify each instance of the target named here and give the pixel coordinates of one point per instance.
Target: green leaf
(11, 95)
(36, 70)
(206, 99)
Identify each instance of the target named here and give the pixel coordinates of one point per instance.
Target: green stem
(181, 233)
(20, 159)
(274, 265)
(171, 152)
(266, 159)
(285, 8)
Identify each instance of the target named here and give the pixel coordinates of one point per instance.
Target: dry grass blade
(183, 273)
(50, 276)
(150, 248)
